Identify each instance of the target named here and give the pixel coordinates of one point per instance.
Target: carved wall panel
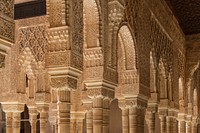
(55, 59)
(77, 34)
(2, 60)
(7, 7)
(35, 38)
(91, 24)
(58, 39)
(63, 83)
(58, 12)
(6, 29)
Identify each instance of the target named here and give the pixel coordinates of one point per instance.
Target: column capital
(138, 102)
(181, 117)
(12, 107)
(42, 107)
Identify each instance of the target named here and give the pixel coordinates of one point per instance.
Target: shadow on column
(115, 117)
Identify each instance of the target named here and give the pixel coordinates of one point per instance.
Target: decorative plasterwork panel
(36, 39)
(2, 60)
(6, 7)
(6, 29)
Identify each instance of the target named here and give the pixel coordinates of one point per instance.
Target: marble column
(98, 114)
(125, 120)
(9, 116)
(106, 115)
(163, 123)
(89, 121)
(63, 107)
(182, 126)
(169, 123)
(136, 119)
(133, 120)
(152, 120)
(188, 127)
(43, 121)
(33, 119)
(16, 122)
(194, 127)
(43, 109)
(175, 125)
(13, 111)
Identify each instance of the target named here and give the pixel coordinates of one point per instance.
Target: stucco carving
(2, 60)
(7, 7)
(35, 38)
(63, 83)
(6, 29)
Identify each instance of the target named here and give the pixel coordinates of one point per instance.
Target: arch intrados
(92, 21)
(128, 44)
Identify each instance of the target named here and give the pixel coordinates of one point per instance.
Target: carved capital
(100, 88)
(12, 107)
(63, 83)
(42, 107)
(87, 104)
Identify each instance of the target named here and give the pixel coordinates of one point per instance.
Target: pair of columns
(97, 118)
(168, 124)
(133, 119)
(13, 117)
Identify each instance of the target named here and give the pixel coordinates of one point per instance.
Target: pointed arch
(127, 43)
(27, 72)
(190, 82)
(91, 24)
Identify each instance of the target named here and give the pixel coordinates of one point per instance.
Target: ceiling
(188, 14)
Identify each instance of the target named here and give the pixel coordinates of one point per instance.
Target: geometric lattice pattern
(6, 6)
(35, 39)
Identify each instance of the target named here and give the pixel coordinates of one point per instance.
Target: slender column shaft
(163, 124)
(80, 126)
(133, 120)
(98, 115)
(188, 128)
(169, 124)
(106, 115)
(89, 121)
(16, 122)
(33, 122)
(152, 120)
(125, 120)
(9, 122)
(182, 126)
(175, 126)
(43, 120)
(64, 111)
(194, 127)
